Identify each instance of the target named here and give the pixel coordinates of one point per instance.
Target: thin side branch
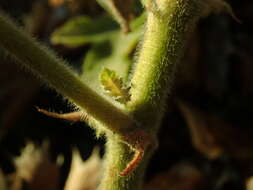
(45, 65)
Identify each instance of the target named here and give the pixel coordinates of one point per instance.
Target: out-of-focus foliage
(182, 176)
(110, 47)
(84, 175)
(33, 167)
(83, 30)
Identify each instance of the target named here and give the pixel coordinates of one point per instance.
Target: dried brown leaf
(180, 177)
(218, 6)
(34, 167)
(213, 137)
(84, 175)
(202, 138)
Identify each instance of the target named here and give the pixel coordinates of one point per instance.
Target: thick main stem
(168, 23)
(118, 156)
(44, 64)
(167, 26)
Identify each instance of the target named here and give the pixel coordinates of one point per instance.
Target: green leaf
(114, 86)
(82, 30)
(110, 47)
(115, 52)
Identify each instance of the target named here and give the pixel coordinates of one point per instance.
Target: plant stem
(162, 48)
(45, 65)
(118, 156)
(168, 23)
(167, 28)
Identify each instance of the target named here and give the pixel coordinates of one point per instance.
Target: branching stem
(45, 65)
(168, 24)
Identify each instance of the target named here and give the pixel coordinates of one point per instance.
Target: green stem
(167, 27)
(44, 64)
(118, 156)
(162, 48)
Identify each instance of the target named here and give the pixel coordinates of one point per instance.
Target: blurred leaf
(84, 175)
(110, 47)
(212, 136)
(114, 86)
(82, 30)
(202, 138)
(34, 165)
(115, 53)
(218, 6)
(180, 177)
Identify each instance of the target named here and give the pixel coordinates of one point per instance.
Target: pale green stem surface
(162, 47)
(118, 155)
(45, 65)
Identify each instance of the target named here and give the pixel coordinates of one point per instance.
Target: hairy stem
(168, 23)
(44, 64)
(118, 155)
